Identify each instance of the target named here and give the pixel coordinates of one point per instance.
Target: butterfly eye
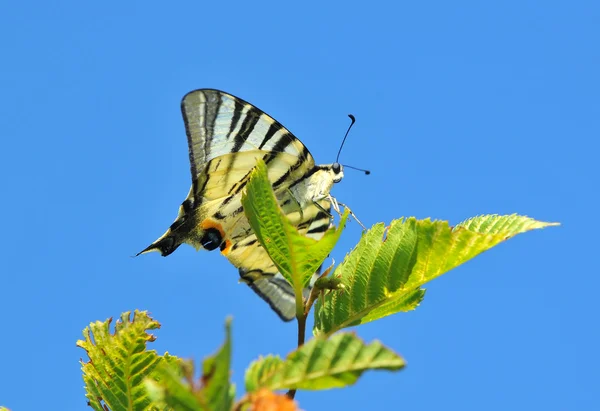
(336, 167)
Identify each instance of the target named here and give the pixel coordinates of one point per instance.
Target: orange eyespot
(226, 247)
(212, 236)
(208, 224)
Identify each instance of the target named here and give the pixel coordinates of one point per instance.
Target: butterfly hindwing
(258, 270)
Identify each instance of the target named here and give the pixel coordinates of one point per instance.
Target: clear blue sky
(463, 108)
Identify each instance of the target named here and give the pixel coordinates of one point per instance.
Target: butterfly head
(337, 171)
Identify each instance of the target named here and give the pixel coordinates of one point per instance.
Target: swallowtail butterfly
(226, 136)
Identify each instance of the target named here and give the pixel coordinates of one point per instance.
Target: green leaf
(322, 364)
(174, 384)
(119, 362)
(215, 375)
(297, 257)
(383, 275)
(3, 408)
(261, 370)
(168, 389)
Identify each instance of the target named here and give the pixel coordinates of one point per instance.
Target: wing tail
(165, 245)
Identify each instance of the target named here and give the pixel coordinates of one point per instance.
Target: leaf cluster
(383, 275)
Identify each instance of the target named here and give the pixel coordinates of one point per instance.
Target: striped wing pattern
(218, 124)
(226, 137)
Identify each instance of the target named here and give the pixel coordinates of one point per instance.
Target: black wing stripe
(273, 128)
(279, 147)
(200, 111)
(247, 244)
(282, 179)
(210, 118)
(303, 156)
(306, 175)
(319, 216)
(186, 123)
(237, 113)
(242, 183)
(319, 229)
(252, 117)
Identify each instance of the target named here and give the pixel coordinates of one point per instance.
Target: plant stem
(301, 337)
(301, 330)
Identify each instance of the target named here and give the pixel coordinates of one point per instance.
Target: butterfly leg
(336, 206)
(320, 207)
(334, 203)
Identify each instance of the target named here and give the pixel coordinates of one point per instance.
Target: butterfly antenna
(344, 140)
(367, 172)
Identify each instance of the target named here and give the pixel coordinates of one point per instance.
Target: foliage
(173, 385)
(321, 364)
(119, 362)
(384, 274)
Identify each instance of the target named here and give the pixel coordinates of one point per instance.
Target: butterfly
(226, 137)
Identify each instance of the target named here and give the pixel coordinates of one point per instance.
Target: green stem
(301, 330)
(301, 337)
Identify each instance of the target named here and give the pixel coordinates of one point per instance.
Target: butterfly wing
(258, 270)
(226, 136)
(219, 124)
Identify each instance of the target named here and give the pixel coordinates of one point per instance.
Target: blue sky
(462, 108)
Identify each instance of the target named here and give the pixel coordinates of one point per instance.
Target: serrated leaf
(297, 257)
(175, 387)
(383, 275)
(322, 364)
(260, 370)
(119, 362)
